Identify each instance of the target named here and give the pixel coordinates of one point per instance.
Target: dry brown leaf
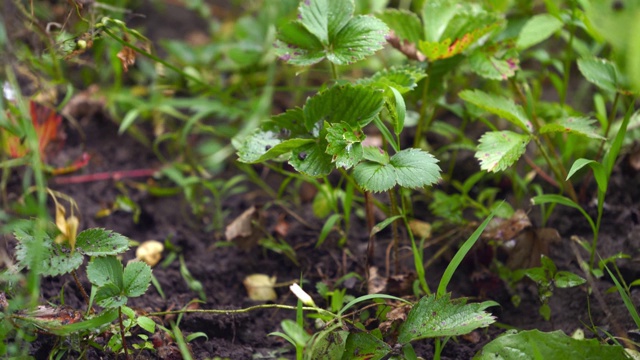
(376, 283)
(244, 230)
(282, 226)
(420, 229)
(127, 57)
(405, 47)
(150, 252)
(529, 246)
(507, 229)
(398, 314)
(260, 287)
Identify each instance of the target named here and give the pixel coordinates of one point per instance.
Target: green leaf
(498, 105)
(362, 37)
(312, 160)
(297, 46)
(600, 72)
(440, 316)
(110, 296)
(409, 168)
(374, 176)
(537, 29)
(450, 27)
(573, 125)
(364, 346)
(598, 172)
(295, 332)
(356, 105)
(556, 345)
(398, 110)
(266, 145)
(405, 24)
(633, 54)
(376, 154)
(101, 242)
(57, 259)
(415, 168)
(565, 279)
(344, 144)
(403, 79)
(137, 277)
(105, 270)
(146, 323)
(500, 149)
(325, 18)
(562, 200)
(326, 344)
(614, 23)
(326, 28)
(495, 64)
(460, 255)
(436, 15)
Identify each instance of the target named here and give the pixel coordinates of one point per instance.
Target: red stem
(109, 175)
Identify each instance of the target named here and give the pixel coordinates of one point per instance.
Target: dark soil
(221, 269)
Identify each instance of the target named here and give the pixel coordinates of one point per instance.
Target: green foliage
(328, 29)
(498, 150)
(534, 344)
(410, 168)
(113, 285)
(547, 277)
(439, 316)
(59, 259)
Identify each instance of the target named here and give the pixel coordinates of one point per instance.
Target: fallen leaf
(282, 226)
(376, 283)
(420, 229)
(507, 229)
(150, 252)
(127, 57)
(529, 247)
(245, 229)
(46, 123)
(396, 315)
(260, 287)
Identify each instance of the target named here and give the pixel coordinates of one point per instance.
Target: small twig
(541, 172)
(124, 342)
(239, 311)
(598, 295)
(368, 207)
(80, 287)
(109, 175)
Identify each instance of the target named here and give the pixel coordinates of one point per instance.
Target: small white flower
(8, 91)
(302, 295)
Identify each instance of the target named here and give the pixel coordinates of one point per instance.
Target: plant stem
(334, 71)
(394, 230)
(80, 287)
(422, 127)
(109, 175)
(568, 57)
(558, 169)
(165, 63)
(241, 311)
(589, 176)
(124, 342)
(368, 207)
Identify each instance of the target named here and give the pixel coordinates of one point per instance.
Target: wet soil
(221, 269)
